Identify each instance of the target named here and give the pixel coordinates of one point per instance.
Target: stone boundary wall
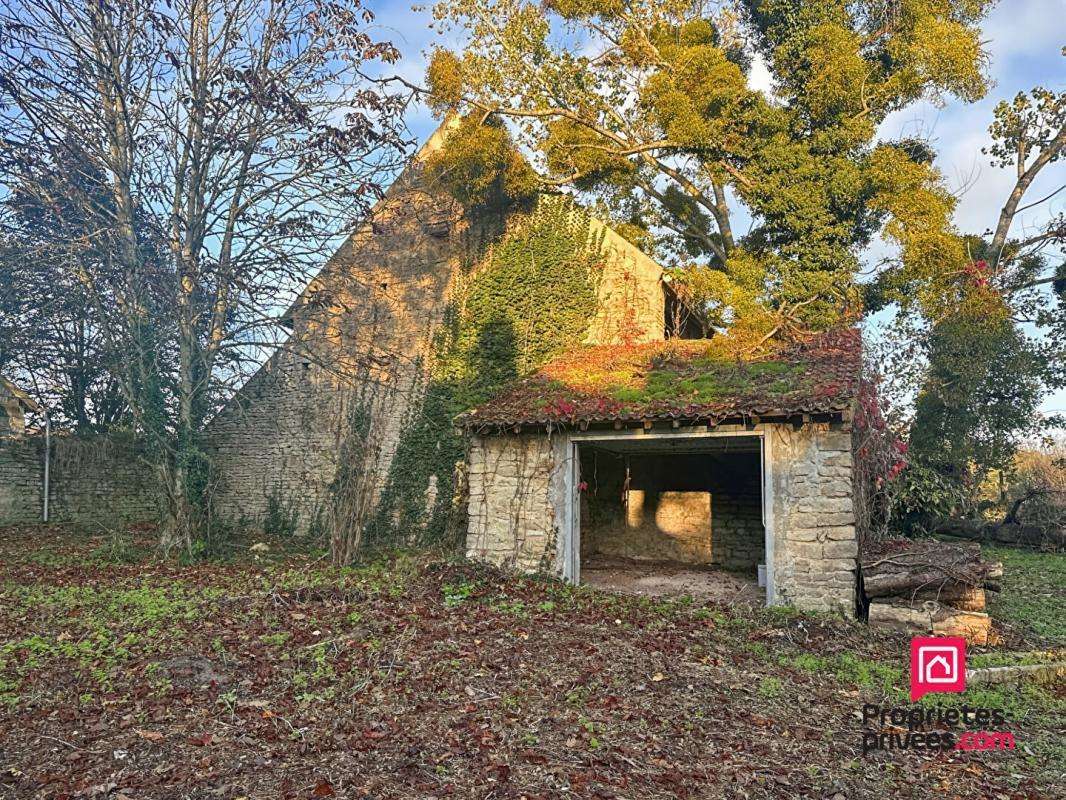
(21, 480)
(96, 482)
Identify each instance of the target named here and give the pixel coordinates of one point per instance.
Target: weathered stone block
(840, 533)
(804, 534)
(838, 460)
(841, 549)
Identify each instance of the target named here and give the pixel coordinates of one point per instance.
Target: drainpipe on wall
(47, 462)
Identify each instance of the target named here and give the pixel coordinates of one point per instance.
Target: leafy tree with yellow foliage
(645, 107)
(986, 375)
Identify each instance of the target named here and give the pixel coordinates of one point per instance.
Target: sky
(1024, 39)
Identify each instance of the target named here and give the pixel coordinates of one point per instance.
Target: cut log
(900, 617)
(906, 568)
(973, 626)
(964, 598)
(904, 583)
(925, 586)
(931, 617)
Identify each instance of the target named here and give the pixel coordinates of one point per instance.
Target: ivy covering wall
(529, 299)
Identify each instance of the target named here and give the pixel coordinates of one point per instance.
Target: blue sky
(1023, 37)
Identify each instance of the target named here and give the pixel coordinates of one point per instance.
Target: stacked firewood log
(928, 586)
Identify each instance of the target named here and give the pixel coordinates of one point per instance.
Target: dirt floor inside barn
(123, 676)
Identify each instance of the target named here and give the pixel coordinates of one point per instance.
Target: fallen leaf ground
(423, 676)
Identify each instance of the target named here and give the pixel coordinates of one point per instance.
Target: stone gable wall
(632, 302)
(95, 482)
(361, 348)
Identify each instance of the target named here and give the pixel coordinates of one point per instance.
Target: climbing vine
(530, 298)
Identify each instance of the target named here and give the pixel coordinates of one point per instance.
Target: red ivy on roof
(680, 380)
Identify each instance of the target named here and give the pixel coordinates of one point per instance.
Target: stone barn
(669, 453)
(351, 404)
(622, 436)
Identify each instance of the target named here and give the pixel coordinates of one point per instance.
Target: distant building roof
(11, 390)
(679, 380)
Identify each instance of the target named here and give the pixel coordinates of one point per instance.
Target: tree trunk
(177, 529)
(1006, 532)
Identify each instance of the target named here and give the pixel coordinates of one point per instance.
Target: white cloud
(1018, 29)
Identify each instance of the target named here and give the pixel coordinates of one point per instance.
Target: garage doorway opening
(672, 515)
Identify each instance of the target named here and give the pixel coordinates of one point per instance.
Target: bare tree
(237, 140)
(1029, 135)
(1022, 256)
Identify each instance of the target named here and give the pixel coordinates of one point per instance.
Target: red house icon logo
(938, 664)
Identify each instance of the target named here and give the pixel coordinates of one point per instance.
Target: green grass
(851, 670)
(1001, 659)
(1033, 599)
(770, 686)
(99, 628)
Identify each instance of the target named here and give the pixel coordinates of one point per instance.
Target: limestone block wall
(739, 539)
(281, 437)
(95, 482)
(353, 371)
(814, 543)
(512, 513)
(632, 302)
(516, 505)
(21, 480)
(652, 525)
(673, 526)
